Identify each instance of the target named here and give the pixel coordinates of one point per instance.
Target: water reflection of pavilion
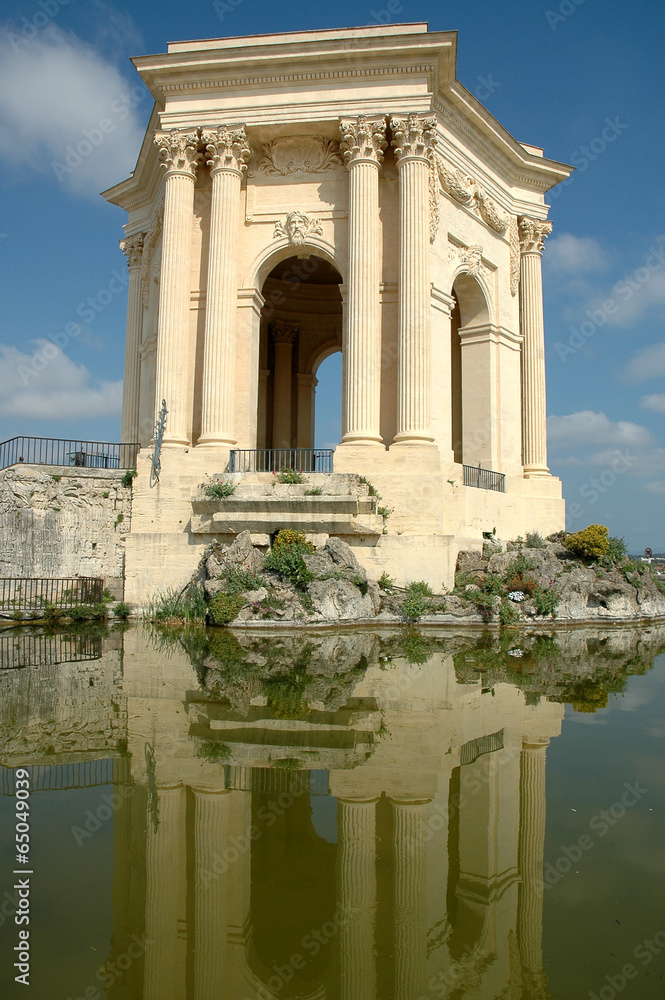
(433, 889)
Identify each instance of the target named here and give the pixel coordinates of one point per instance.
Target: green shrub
(414, 606)
(52, 614)
(212, 751)
(289, 475)
(589, 543)
(187, 605)
(239, 580)
(122, 610)
(288, 538)
(219, 491)
(107, 596)
(316, 491)
(534, 540)
(485, 602)
(508, 613)
(419, 589)
(546, 601)
(616, 550)
(127, 478)
(383, 511)
(360, 582)
(224, 608)
(386, 582)
(289, 564)
(520, 565)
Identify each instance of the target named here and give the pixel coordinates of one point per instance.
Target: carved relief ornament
(471, 257)
(297, 228)
(471, 194)
(298, 155)
(133, 249)
(533, 233)
(284, 332)
(178, 150)
(149, 244)
(227, 148)
(413, 136)
(514, 256)
(363, 139)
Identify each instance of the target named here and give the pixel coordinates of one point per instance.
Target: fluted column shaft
(129, 426)
(409, 828)
(363, 142)
(357, 898)
(178, 151)
(531, 847)
(534, 431)
(164, 904)
(210, 946)
(414, 140)
(229, 151)
(283, 335)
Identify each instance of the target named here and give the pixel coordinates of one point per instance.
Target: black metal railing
(30, 650)
(484, 479)
(25, 593)
(60, 777)
(277, 459)
(59, 451)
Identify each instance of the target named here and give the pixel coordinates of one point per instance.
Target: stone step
(267, 521)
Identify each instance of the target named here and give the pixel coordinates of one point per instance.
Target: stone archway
(473, 375)
(301, 323)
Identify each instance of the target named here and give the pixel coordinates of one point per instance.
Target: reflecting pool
(357, 815)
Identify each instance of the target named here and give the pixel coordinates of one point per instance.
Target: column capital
(132, 247)
(533, 233)
(227, 148)
(363, 140)
(284, 332)
(178, 151)
(414, 137)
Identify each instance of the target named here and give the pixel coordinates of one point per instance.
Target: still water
(352, 815)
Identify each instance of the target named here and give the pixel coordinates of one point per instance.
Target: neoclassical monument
(307, 193)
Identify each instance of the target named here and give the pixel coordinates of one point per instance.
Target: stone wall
(60, 522)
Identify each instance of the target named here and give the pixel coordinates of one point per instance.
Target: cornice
(240, 82)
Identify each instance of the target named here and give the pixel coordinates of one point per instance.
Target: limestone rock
(338, 600)
(342, 555)
(470, 561)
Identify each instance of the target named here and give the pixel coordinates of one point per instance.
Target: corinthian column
(129, 427)
(283, 335)
(414, 139)
(229, 152)
(178, 151)
(409, 826)
(534, 433)
(531, 847)
(363, 142)
(357, 898)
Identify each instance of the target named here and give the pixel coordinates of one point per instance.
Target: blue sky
(582, 79)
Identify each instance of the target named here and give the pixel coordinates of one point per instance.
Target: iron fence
(39, 650)
(60, 451)
(484, 479)
(277, 459)
(58, 777)
(25, 594)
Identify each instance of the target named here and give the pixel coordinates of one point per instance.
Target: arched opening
(456, 387)
(301, 325)
(328, 401)
(472, 373)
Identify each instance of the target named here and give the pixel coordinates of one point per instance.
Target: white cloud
(61, 102)
(655, 402)
(62, 390)
(568, 254)
(589, 429)
(647, 363)
(658, 487)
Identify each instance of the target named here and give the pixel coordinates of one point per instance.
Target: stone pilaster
(164, 977)
(409, 828)
(179, 153)
(283, 334)
(307, 384)
(414, 139)
(129, 427)
(210, 944)
(531, 847)
(534, 433)
(357, 897)
(363, 142)
(228, 151)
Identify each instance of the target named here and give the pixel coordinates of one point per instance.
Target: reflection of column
(129, 427)
(414, 139)
(179, 151)
(531, 847)
(409, 826)
(305, 434)
(534, 439)
(229, 152)
(210, 834)
(164, 975)
(122, 877)
(363, 142)
(357, 897)
(283, 335)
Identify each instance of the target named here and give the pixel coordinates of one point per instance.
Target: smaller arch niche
(301, 323)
